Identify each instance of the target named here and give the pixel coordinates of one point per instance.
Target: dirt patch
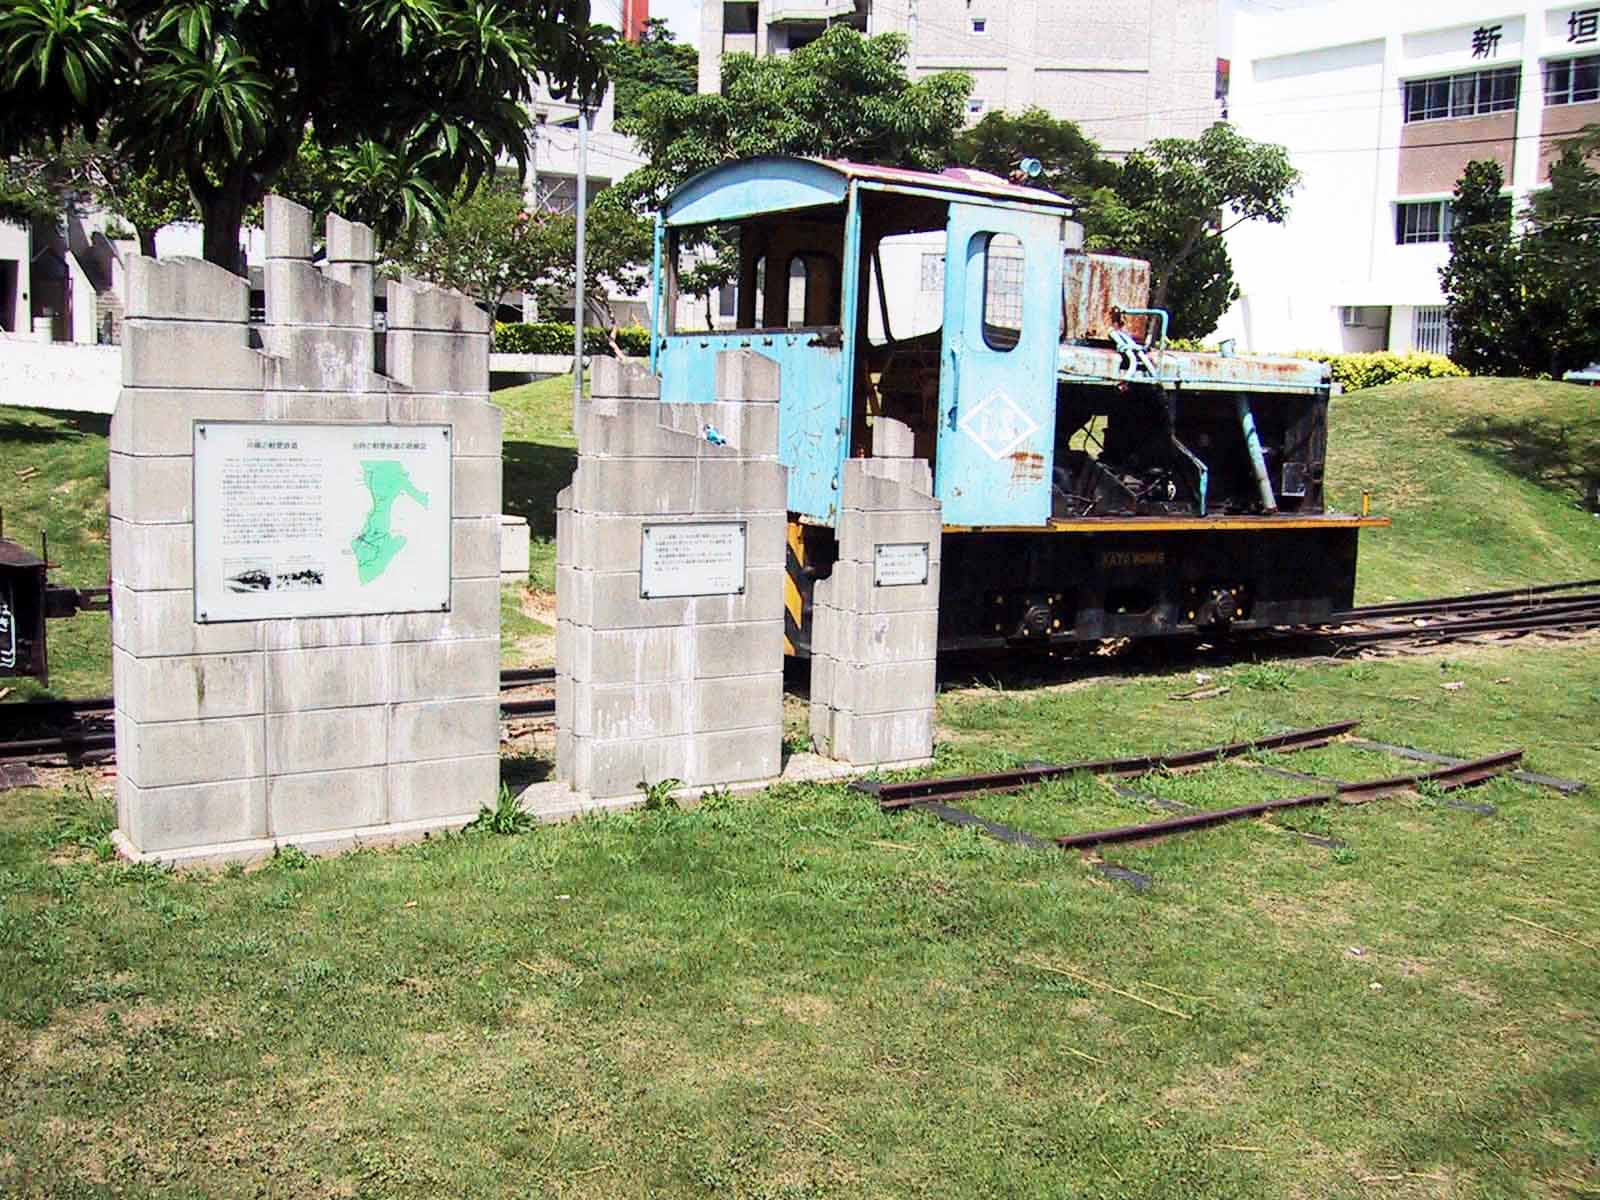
(805, 1008)
(92, 1037)
(1213, 1088)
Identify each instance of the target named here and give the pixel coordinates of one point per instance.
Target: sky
(682, 15)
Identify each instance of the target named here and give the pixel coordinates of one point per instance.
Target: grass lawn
(792, 995)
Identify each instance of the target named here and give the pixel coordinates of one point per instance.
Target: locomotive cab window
(1003, 264)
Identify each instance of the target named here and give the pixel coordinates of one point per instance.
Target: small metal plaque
(701, 558)
(899, 564)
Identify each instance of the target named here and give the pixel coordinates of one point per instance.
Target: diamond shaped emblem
(998, 424)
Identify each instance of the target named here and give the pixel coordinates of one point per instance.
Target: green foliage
(1071, 160)
(618, 247)
(842, 96)
(1526, 303)
(658, 60)
(488, 244)
(507, 817)
(1480, 278)
(658, 796)
(555, 337)
(1353, 372)
(223, 92)
(25, 193)
(1172, 202)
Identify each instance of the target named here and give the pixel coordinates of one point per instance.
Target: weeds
(1264, 676)
(658, 796)
(507, 817)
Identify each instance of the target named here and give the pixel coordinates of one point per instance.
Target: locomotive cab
(823, 253)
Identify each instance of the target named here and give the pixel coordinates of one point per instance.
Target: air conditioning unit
(1352, 316)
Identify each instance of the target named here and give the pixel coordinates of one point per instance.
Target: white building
(1125, 72)
(1382, 106)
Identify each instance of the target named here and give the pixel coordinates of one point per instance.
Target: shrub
(555, 337)
(1356, 371)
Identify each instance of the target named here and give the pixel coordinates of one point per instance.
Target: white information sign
(320, 520)
(704, 558)
(898, 564)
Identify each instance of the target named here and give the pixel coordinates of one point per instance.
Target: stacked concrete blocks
(235, 737)
(875, 635)
(686, 688)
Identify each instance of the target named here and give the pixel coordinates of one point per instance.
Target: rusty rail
(1462, 774)
(891, 796)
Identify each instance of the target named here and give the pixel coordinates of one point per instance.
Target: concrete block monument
(875, 619)
(670, 552)
(305, 556)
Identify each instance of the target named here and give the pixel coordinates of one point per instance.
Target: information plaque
(899, 564)
(320, 520)
(704, 558)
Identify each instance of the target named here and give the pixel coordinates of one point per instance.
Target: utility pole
(585, 118)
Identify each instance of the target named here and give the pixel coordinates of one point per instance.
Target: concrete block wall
(687, 688)
(873, 647)
(235, 737)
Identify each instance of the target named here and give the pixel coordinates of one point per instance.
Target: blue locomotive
(1094, 483)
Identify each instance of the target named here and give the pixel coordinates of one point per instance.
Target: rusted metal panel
(1199, 372)
(1096, 287)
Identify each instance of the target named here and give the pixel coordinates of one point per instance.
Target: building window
(738, 18)
(1572, 80)
(1469, 95)
(1428, 221)
(932, 272)
(1431, 332)
(980, 25)
(975, 105)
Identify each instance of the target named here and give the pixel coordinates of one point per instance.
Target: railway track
(81, 729)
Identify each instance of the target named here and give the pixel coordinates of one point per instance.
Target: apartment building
(1382, 106)
(1126, 72)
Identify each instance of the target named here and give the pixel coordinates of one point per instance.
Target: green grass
(540, 453)
(65, 501)
(1483, 478)
(793, 995)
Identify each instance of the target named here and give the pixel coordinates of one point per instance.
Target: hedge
(555, 337)
(1354, 372)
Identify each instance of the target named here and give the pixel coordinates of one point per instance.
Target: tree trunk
(222, 211)
(147, 242)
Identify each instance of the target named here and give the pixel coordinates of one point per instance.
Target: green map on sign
(375, 547)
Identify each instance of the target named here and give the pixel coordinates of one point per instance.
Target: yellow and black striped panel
(796, 588)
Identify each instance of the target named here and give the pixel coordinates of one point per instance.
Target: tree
(148, 200)
(225, 91)
(1173, 201)
(842, 96)
(488, 245)
(1528, 302)
(1480, 280)
(1072, 162)
(618, 247)
(657, 60)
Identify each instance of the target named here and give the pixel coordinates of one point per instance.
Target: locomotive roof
(750, 187)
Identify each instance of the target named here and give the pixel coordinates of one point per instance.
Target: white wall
(59, 375)
(15, 246)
